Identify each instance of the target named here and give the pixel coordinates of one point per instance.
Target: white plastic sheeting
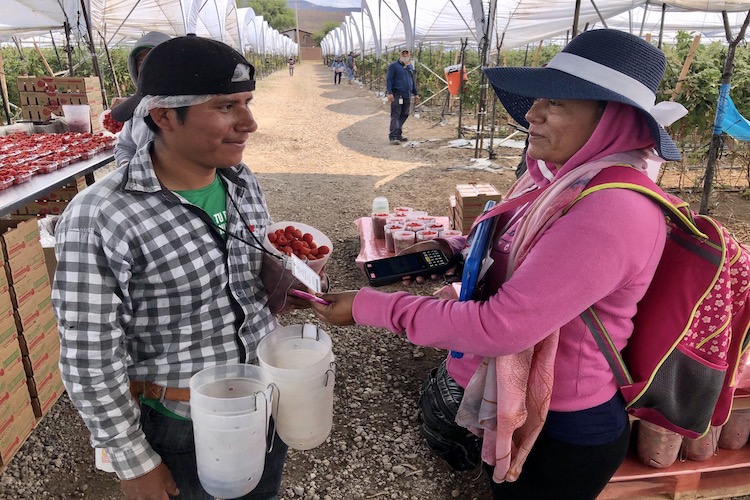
(124, 21)
(512, 23)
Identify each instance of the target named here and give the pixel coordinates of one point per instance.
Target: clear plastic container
(449, 233)
(435, 227)
(657, 447)
(403, 239)
(704, 447)
(389, 229)
(380, 205)
(402, 209)
(426, 234)
(736, 431)
(378, 225)
(230, 408)
(301, 363)
(414, 226)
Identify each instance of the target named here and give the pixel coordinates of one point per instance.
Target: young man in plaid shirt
(158, 270)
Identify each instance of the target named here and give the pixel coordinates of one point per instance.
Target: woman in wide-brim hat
(538, 388)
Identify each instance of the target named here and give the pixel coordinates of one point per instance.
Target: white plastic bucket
(230, 408)
(302, 365)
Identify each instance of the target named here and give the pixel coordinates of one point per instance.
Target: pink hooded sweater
(604, 252)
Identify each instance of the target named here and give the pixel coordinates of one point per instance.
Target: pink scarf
(507, 400)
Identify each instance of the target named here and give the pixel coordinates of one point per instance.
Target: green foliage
(700, 90)
(319, 35)
(276, 12)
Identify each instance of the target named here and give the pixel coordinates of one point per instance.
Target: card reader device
(393, 269)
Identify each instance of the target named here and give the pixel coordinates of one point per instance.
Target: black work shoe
(395, 142)
(403, 139)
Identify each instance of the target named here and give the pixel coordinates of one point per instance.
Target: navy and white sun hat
(599, 65)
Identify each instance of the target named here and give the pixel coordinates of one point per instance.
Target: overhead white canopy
(513, 23)
(124, 21)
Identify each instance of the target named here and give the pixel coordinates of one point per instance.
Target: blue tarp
(728, 119)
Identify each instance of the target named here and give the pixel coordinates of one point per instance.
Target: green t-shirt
(213, 200)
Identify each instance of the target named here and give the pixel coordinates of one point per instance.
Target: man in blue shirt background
(400, 86)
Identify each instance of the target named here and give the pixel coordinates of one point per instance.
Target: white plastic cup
(302, 365)
(416, 214)
(230, 409)
(78, 117)
(449, 233)
(426, 234)
(435, 227)
(402, 240)
(402, 209)
(378, 225)
(389, 229)
(414, 226)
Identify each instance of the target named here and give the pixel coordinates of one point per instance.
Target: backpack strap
(675, 209)
(627, 177)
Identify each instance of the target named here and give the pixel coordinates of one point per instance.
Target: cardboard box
(6, 304)
(11, 366)
(45, 380)
(42, 404)
(26, 315)
(8, 332)
(44, 207)
(15, 429)
(52, 85)
(13, 397)
(4, 283)
(26, 262)
(31, 284)
(17, 235)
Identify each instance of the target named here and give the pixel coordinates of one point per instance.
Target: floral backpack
(690, 339)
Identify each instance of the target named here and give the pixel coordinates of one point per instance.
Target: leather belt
(150, 390)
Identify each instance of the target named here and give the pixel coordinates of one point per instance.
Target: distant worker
(338, 68)
(135, 133)
(290, 63)
(351, 66)
(400, 86)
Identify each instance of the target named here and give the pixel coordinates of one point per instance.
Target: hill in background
(313, 17)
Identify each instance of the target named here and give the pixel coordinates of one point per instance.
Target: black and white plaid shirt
(146, 289)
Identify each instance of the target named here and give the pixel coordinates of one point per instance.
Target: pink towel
(507, 400)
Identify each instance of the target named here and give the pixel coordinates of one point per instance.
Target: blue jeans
(399, 114)
(172, 439)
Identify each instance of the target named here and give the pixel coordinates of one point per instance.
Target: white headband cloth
(665, 113)
(149, 102)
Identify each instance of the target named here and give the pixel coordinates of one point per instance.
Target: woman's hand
(339, 311)
(427, 245)
(293, 302)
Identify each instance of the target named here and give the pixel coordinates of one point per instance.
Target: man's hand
(339, 311)
(390, 97)
(416, 99)
(157, 484)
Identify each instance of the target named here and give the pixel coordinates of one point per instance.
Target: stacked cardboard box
(43, 96)
(469, 202)
(16, 413)
(31, 300)
(54, 202)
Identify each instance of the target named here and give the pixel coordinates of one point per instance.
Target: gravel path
(321, 154)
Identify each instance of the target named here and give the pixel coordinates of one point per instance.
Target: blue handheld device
(478, 249)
